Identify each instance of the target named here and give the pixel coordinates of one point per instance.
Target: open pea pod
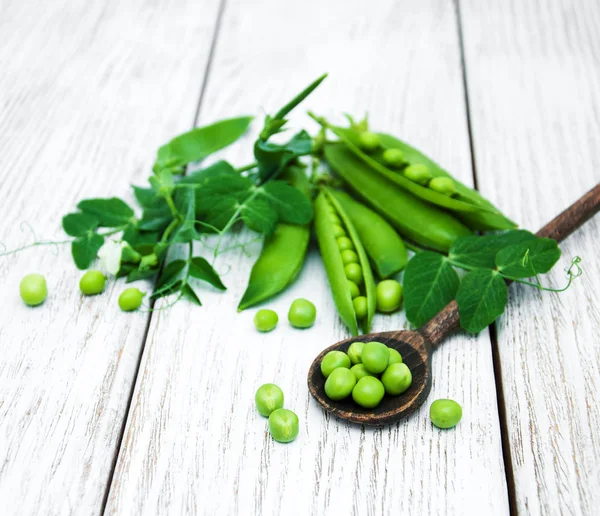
(380, 240)
(324, 206)
(282, 255)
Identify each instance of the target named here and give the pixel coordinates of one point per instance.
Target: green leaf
(111, 213)
(290, 203)
(272, 158)
(481, 299)
(259, 216)
(170, 273)
(282, 113)
(167, 290)
(144, 196)
(214, 190)
(85, 249)
(202, 270)
(221, 211)
(216, 170)
(528, 258)
(140, 274)
(78, 224)
(156, 216)
(185, 202)
(430, 283)
(480, 251)
(197, 144)
(188, 292)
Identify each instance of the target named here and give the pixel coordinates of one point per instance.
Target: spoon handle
(559, 228)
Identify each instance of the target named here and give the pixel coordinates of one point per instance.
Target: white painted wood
(194, 443)
(534, 76)
(88, 91)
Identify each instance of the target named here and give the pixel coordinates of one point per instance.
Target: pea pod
(414, 218)
(383, 245)
(282, 255)
(334, 266)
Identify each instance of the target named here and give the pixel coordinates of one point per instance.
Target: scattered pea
(355, 352)
(283, 425)
(33, 289)
(360, 371)
(375, 357)
(344, 244)
(443, 185)
(445, 413)
(333, 360)
(92, 283)
(265, 320)
(268, 397)
(354, 290)
(368, 141)
(395, 357)
(338, 231)
(360, 307)
(354, 273)
(340, 383)
(131, 299)
(302, 313)
(418, 173)
(368, 392)
(394, 158)
(349, 256)
(389, 296)
(396, 379)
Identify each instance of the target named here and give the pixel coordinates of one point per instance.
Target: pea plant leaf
(480, 251)
(272, 158)
(138, 274)
(170, 274)
(222, 211)
(156, 215)
(528, 259)
(79, 224)
(291, 204)
(111, 213)
(430, 283)
(202, 270)
(217, 188)
(188, 293)
(144, 196)
(259, 215)
(85, 249)
(186, 205)
(481, 299)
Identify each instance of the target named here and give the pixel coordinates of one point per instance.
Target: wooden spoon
(417, 346)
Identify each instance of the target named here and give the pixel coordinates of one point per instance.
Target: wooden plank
(533, 78)
(88, 92)
(194, 442)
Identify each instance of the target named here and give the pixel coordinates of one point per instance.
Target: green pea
(418, 173)
(369, 142)
(268, 397)
(283, 425)
(92, 283)
(354, 290)
(443, 185)
(389, 296)
(339, 384)
(333, 360)
(445, 413)
(354, 273)
(394, 158)
(344, 243)
(333, 217)
(355, 352)
(33, 289)
(375, 357)
(395, 357)
(360, 371)
(265, 320)
(131, 299)
(368, 392)
(338, 231)
(349, 256)
(302, 313)
(396, 379)
(360, 307)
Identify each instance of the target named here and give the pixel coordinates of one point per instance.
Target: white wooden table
(114, 413)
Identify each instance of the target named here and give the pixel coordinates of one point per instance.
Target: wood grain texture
(88, 91)
(533, 75)
(194, 443)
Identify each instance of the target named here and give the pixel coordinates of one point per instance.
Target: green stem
(174, 223)
(35, 244)
(246, 167)
(172, 207)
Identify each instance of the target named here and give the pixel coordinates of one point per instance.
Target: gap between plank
(211, 53)
(493, 331)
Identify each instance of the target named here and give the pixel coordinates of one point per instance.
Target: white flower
(110, 256)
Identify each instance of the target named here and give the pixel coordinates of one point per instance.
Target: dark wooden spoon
(417, 346)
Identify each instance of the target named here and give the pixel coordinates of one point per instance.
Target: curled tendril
(151, 308)
(573, 272)
(27, 229)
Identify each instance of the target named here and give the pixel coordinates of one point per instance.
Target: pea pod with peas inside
(417, 220)
(283, 253)
(327, 211)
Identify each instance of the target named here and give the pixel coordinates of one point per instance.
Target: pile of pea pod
(389, 190)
